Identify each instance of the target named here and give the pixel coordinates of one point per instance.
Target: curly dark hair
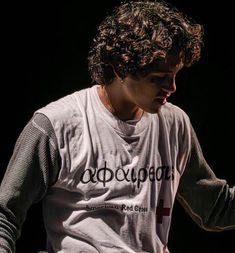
(139, 33)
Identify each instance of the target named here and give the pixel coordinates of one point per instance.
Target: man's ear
(118, 75)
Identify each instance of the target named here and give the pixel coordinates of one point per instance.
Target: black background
(44, 48)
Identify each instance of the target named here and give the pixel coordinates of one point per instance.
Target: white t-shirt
(118, 180)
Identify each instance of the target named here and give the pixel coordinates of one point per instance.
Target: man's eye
(158, 79)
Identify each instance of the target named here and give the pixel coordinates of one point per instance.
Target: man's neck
(114, 99)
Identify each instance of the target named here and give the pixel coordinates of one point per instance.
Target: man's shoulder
(174, 112)
(66, 107)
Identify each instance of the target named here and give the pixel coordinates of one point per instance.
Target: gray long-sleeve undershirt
(34, 166)
(27, 177)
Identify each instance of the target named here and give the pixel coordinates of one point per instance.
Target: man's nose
(170, 86)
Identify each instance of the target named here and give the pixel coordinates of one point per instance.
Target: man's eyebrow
(161, 72)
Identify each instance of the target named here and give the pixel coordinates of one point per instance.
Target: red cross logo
(161, 211)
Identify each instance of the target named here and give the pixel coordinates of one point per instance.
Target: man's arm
(32, 168)
(208, 200)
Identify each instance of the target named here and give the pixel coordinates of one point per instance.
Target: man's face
(151, 91)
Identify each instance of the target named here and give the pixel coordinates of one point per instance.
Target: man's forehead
(172, 63)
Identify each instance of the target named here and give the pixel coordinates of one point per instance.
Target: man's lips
(162, 99)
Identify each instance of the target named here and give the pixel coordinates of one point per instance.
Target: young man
(108, 161)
